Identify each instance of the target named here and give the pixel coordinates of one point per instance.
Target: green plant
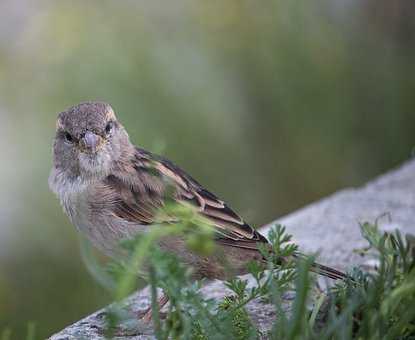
(369, 305)
(379, 304)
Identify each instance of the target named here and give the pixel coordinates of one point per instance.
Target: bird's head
(89, 139)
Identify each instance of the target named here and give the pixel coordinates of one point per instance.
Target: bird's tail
(324, 270)
(328, 272)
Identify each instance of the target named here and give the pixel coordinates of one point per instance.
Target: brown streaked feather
(142, 193)
(133, 202)
(245, 244)
(228, 223)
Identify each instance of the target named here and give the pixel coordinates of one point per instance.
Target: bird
(111, 190)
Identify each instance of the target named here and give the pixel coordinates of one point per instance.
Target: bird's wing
(140, 195)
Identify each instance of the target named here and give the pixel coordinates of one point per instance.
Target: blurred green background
(270, 104)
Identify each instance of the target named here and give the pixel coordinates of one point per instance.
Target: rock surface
(329, 227)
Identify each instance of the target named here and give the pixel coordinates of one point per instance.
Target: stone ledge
(329, 226)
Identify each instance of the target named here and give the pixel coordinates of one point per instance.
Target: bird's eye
(68, 137)
(109, 127)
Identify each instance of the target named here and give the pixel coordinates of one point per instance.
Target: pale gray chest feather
(91, 212)
(101, 227)
(76, 205)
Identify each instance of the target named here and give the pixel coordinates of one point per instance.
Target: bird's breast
(100, 226)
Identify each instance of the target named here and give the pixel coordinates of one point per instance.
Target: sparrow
(111, 190)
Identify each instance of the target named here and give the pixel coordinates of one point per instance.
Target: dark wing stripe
(211, 199)
(233, 228)
(222, 214)
(139, 197)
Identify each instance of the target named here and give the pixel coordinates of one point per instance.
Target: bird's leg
(148, 314)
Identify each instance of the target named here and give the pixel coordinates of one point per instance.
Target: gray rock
(329, 227)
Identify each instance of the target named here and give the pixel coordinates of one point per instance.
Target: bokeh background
(270, 104)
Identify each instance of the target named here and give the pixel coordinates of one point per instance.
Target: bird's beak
(91, 142)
